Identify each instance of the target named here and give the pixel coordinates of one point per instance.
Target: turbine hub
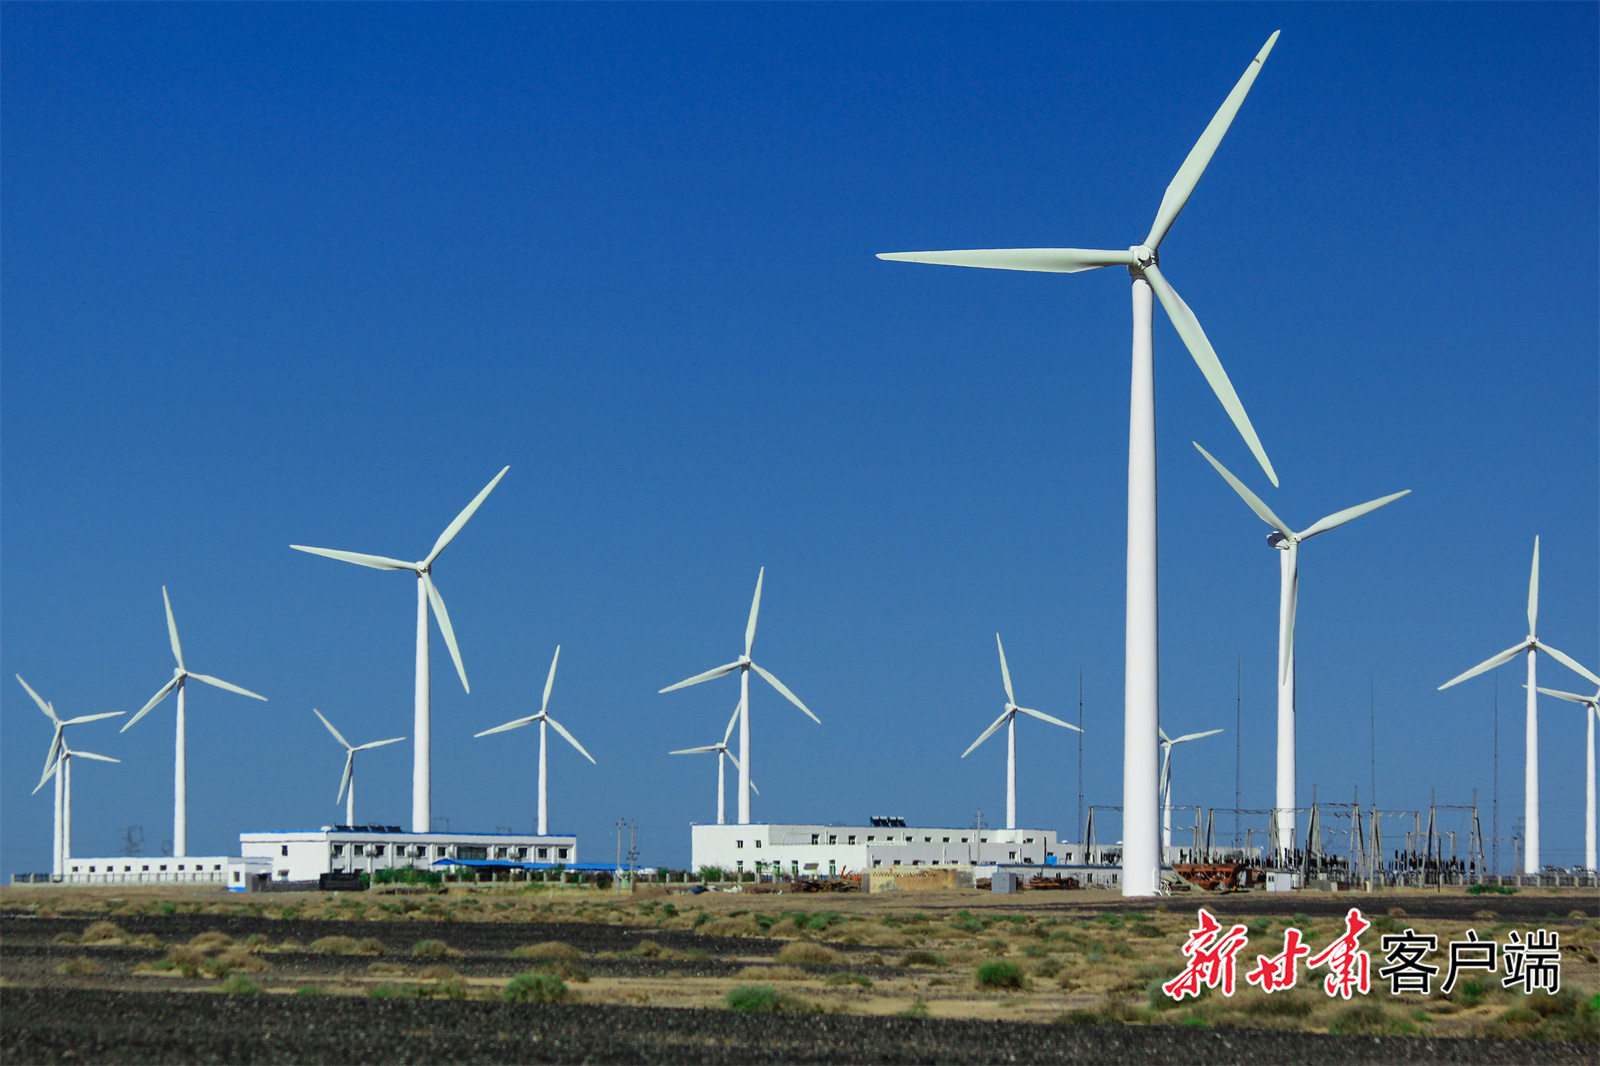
(1143, 256)
(1277, 540)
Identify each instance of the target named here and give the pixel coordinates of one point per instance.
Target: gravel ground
(53, 1026)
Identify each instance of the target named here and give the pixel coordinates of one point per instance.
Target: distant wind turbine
(544, 719)
(61, 848)
(1532, 645)
(721, 750)
(1591, 711)
(62, 769)
(1008, 718)
(422, 756)
(744, 664)
(1287, 541)
(1141, 851)
(1167, 744)
(347, 783)
(180, 772)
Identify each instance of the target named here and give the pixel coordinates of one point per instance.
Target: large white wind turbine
(744, 664)
(422, 757)
(1141, 852)
(1167, 744)
(62, 769)
(347, 783)
(60, 850)
(544, 719)
(1008, 718)
(721, 750)
(1591, 711)
(180, 771)
(1532, 645)
(1287, 541)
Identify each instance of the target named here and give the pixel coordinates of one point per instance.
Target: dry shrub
(731, 927)
(238, 958)
(565, 969)
(256, 942)
(64, 938)
(291, 945)
(101, 932)
(211, 940)
(805, 952)
(385, 969)
(147, 940)
(771, 973)
(80, 967)
(348, 945)
(649, 949)
(433, 949)
(1487, 914)
(438, 972)
(549, 949)
(185, 959)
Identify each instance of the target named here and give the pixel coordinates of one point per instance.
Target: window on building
(916, 862)
(869, 837)
(91, 869)
(522, 853)
(740, 843)
(816, 838)
(283, 875)
(947, 840)
(441, 851)
(877, 862)
(544, 853)
(1013, 856)
(561, 853)
(740, 865)
(236, 877)
(963, 840)
(218, 866)
(927, 840)
(852, 838)
(283, 849)
(832, 839)
(375, 849)
(467, 851)
(1027, 840)
(180, 866)
(144, 869)
(758, 843)
(897, 862)
(163, 868)
(983, 840)
(338, 849)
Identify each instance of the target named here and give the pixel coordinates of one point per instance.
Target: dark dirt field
(148, 1027)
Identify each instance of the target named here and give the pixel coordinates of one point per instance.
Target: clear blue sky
(313, 273)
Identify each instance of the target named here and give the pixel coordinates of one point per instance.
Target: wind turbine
(63, 773)
(1591, 711)
(1166, 778)
(721, 750)
(347, 784)
(544, 719)
(1287, 541)
(422, 758)
(1008, 718)
(58, 742)
(1141, 709)
(180, 779)
(744, 664)
(1532, 645)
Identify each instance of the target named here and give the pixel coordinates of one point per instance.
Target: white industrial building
(835, 850)
(308, 854)
(161, 870)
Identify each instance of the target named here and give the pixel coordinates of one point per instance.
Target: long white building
(307, 854)
(834, 850)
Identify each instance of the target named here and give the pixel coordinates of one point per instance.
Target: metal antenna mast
(1080, 756)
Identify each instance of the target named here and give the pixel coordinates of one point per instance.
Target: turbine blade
(172, 628)
(1568, 661)
(1194, 166)
(550, 680)
(516, 723)
(1053, 260)
(453, 528)
(559, 728)
(1570, 696)
(91, 755)
(735, 760)
(219, 683)
(1339, 518)
(1197, 736)
(1533, 591)
(49, 712)
(790, 696)
(157, 698)
(1047, 718)
(1205, 357)
(755, 609)
(1251, 499)
(987, 733)
(1005, 671)
(1162, 733)
(377, 562)
(1488, 664)
(444, 626)
(82, 718)
(726, 733)
(707, 676)
(349, 771)
(336, 734)
(697, 751)
(56, 744)
(378, 743)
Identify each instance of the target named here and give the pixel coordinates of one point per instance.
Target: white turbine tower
(1008, 718)
(721, 750)
(1167, 744)
(347, 783)
(1141, 710)
(1287, 541)
(180, 771)
(744, 664)
(60, 851)
(62, 769)
(1591, 711)
(544, 719)
(1532, 645)
(422, 758)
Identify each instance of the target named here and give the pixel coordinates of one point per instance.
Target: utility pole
(1495, 830)
(1372, 737)
(1080, 756)
(618, 879)
(633, 854)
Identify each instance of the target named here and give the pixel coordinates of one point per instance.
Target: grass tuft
(999, 974)
(536, 988)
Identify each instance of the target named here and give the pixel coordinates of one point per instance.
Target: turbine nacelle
(1144, 257)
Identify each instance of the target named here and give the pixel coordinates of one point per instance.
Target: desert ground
(503, 973)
